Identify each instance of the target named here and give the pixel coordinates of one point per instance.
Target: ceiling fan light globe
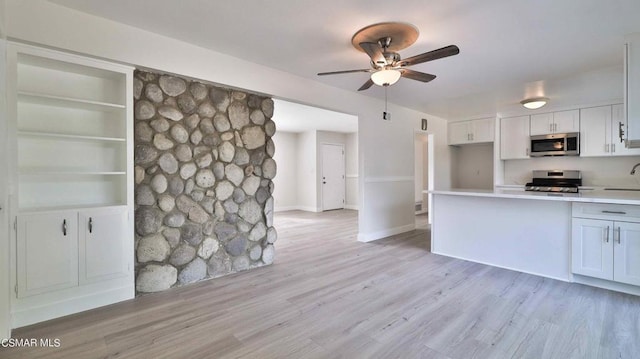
(385, 77)
(534, 103)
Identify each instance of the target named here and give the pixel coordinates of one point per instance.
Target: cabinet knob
(90, 225)
(64, 227)
(606, 235)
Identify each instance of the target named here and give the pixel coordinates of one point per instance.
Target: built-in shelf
(37, 209)
(32, 172)
(60, 101)
(68, 136)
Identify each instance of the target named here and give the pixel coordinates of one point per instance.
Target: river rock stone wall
(203, 181)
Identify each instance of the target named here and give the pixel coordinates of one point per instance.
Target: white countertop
(590, 196)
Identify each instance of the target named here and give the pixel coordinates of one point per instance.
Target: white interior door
(333, 181)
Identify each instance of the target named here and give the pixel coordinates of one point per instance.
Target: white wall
(307, 171)
(386, 193)
(596, 171)
(351, 170)
(472, 166)
(285, 194)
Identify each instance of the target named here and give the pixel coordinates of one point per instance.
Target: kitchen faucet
(633, 170)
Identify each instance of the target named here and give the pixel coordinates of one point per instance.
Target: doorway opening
(316, 151)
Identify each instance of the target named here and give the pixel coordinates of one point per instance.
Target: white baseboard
(286, 208)
(48, 311)
(368, 237)
(351, 206)
(296, 208)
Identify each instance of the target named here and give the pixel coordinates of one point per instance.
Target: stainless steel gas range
(559, 181)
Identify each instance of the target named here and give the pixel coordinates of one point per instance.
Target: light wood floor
(329, 296)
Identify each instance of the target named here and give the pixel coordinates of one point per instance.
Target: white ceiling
(509, 49)
(294, 117)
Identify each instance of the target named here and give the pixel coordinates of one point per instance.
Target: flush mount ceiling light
(534, 103)
(386, 77)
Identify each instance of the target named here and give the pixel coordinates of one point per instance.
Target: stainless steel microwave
(557, 144)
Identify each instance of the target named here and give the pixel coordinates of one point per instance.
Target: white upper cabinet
(600, 130)
(483, 130)
(514, 138)
(595, 134)
(555, 122)
(632, 90)
(459, 133)
(566, 121)
(541, 124)
(474, 131)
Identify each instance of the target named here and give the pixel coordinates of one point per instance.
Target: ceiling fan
(381, 42)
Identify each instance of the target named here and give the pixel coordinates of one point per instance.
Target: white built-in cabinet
(606, 242)
(632, 90)
(600, 132)
(473, 131)
(514, 138)
(555, 122)
(72, 202)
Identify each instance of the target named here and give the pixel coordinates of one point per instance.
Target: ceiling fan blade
(366, 85)
(373, 50)
(343, 72)
(431, 55)
(417, 75)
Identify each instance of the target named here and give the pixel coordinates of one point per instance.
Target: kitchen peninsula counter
(587, 196)
(524, 231)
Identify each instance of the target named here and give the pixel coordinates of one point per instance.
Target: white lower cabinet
(606, 248)
(47, 252)
(102, 245)
(66, 249)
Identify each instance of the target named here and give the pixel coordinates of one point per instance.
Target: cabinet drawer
(619, 212)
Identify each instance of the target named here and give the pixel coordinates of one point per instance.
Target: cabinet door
(514, 138)
(617, 145)
(595, 131)
(104, 240)
(47, 251)
(541, 124)
(483, 130)
(592, 248)
(626, 256)
(632, 89)
(566, 121)
(459, 133)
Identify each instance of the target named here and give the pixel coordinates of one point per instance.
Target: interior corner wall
(307, 171)
(285, 194)
(351, 170)
(385, 182)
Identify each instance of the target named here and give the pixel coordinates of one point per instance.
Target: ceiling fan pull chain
(385, 99)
